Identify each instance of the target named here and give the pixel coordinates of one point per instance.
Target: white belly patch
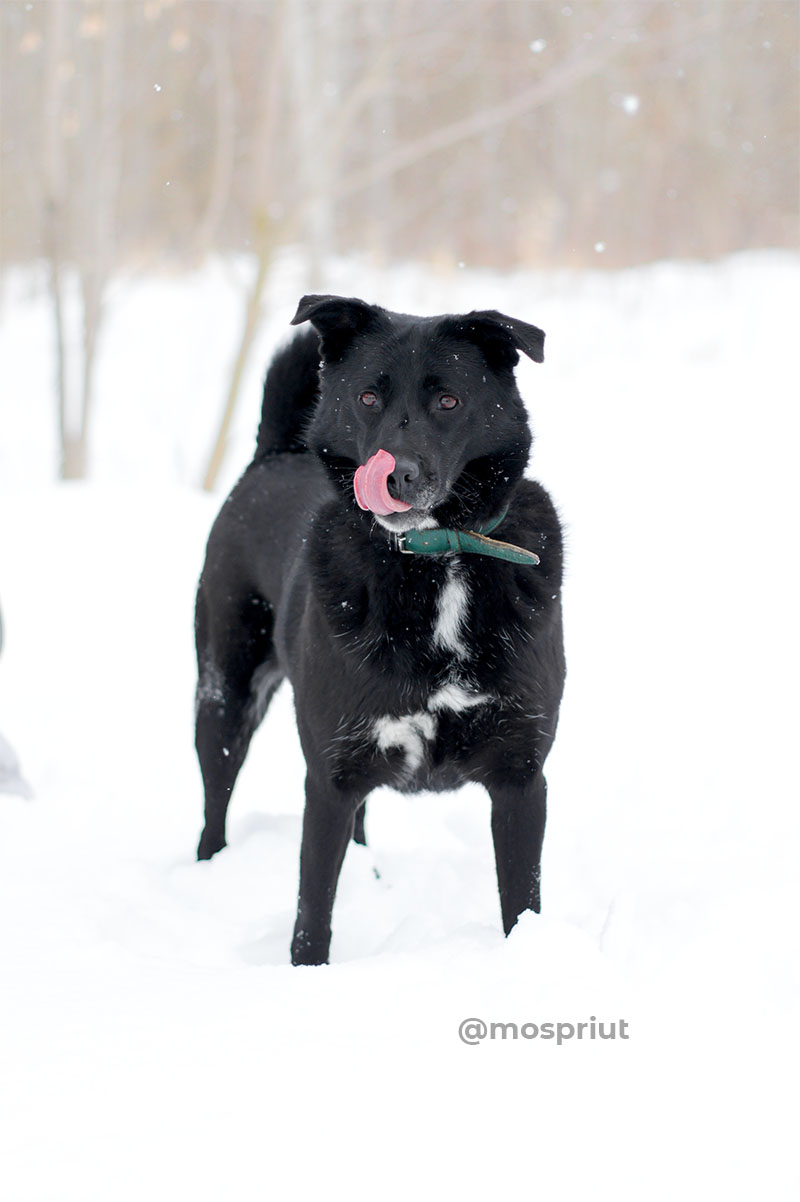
(410, 732)
(413, 732)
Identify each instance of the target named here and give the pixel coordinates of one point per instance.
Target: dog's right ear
(337, 319)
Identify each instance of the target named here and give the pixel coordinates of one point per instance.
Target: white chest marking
(409, 733)
(451, 613)
(455, 696)
(413, 732)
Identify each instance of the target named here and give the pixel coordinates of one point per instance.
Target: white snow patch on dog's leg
(451, 616)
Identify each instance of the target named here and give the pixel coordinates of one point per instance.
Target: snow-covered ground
(155, 1043)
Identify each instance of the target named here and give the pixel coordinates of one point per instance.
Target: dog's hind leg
(327, 829)
(238, 676)
(518, 819)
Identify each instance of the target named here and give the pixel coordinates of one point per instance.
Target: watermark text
(475, 1030)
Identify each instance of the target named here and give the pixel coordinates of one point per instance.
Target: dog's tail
(290, 394)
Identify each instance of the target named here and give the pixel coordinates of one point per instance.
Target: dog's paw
(209, 846)
(308, 952)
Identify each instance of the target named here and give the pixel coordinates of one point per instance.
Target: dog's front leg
(327, 830)
(518, 818)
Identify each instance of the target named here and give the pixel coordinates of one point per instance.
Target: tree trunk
(53, 205)
(224, 133)
(73, 457)
(251, 323)
(266, 238)
(100, 254)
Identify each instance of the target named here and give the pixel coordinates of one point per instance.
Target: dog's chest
(415, 734)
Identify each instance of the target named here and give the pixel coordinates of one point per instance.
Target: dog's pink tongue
(370, 487)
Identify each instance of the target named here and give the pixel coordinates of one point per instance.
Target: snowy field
(155, 1043)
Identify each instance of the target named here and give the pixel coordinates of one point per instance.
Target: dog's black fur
(415, 672)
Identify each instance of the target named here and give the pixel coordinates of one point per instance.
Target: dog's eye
(369, 399)
(449, 402)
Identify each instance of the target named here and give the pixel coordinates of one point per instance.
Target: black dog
(353, 557)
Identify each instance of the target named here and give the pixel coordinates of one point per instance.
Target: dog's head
(437, 393)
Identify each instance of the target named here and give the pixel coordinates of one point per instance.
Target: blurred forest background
(147, 135)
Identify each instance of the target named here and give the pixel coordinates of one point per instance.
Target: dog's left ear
(499, 336)
(337, 319)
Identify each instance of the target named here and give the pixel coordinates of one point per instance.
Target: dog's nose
(403, 479)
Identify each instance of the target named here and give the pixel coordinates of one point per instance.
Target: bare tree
(98, 262)
(265, 229)
(83, 251)
(223, 142)
(53, 201)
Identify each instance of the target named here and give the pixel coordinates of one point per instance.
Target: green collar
(442, 540)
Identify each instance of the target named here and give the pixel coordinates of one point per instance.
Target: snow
(155, 1041)
(627, 101)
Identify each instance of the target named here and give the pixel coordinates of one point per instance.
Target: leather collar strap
(441, 541)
